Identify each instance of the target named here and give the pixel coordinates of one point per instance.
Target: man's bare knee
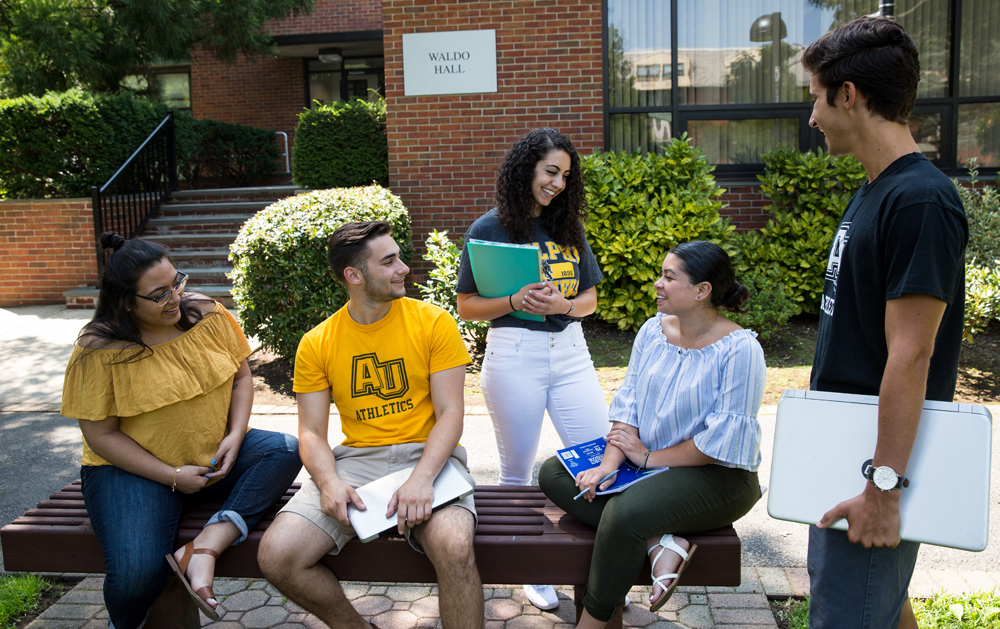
(448, 537)
(291, 544)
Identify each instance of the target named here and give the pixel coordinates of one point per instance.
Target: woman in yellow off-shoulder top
(161, 386)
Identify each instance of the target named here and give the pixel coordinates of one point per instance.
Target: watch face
(885, 478)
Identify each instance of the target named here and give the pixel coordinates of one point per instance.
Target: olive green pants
(680, 500)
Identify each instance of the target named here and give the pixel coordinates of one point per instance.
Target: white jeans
(526, 372)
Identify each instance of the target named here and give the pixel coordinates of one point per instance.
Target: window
(730, 75)
(351, 78)
(647, 73)
(170, 85)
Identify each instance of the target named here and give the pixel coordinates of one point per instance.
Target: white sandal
(667, 542)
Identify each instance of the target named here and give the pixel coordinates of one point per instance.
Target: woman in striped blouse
(689, 403)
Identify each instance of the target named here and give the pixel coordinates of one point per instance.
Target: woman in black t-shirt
(534, 366)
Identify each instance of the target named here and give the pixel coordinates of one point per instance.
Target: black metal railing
(125, 203)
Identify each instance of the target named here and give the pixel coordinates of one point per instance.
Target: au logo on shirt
(386, 380)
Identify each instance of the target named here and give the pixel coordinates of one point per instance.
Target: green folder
(502, 269)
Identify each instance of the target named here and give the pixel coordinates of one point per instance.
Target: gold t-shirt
(175, 403)
(379, 374)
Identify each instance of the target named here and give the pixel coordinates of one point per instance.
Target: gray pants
(853, 587)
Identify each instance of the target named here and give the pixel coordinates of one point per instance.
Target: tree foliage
(59, 44)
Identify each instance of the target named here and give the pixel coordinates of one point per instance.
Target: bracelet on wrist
(511, 302)
(572, 307)
(645, 460)
(174, 488)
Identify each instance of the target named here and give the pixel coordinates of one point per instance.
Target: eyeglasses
(164, 297)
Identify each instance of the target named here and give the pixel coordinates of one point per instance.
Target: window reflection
(979, 134)
(646, 132)
(926, 132)
(742, 141)
(747, 51)
(639, 57)
(980, 49)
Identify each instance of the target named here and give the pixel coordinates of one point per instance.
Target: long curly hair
(112, 323)
(563, 219)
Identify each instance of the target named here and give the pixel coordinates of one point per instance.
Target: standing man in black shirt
(892, 309)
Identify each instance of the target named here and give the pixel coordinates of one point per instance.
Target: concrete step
(198, 219)
(86, 297)
(246, 208)
(190, 242)
(188, 258)
(215, 275)
(252, 193)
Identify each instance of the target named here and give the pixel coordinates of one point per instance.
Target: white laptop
(449, 485)
(821, 441)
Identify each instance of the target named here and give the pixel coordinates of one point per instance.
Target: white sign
(457, 62)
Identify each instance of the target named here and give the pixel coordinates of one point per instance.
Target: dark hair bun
(111, 240)
(735, 297)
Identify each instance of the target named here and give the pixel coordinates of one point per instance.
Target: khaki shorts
(360, 466)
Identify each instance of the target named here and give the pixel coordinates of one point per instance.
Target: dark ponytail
(704, 261)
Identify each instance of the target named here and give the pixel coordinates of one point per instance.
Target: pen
(580, 495)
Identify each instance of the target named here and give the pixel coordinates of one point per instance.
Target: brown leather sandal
(202, 594)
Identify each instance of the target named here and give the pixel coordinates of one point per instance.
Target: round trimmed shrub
(282, 284)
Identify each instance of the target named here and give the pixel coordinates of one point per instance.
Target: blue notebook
(502, 269)
(588, 455)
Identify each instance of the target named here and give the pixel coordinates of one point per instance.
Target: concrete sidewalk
(42, 453)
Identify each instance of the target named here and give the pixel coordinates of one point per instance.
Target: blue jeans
(853, 587)
(136, 519)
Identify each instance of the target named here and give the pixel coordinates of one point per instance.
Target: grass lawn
(942, 611)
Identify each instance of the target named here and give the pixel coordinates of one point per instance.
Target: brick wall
(48, 248)
(743, 204)
(270, 93)
(334, 16)
(444, 150)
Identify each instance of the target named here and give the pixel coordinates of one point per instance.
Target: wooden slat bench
(522, 538)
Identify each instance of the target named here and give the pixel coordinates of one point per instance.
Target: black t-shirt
(905, 232)
(572, 271)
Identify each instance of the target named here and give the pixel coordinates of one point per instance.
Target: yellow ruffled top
(175, 403)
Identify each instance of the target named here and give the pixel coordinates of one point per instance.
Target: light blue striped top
(711, 395)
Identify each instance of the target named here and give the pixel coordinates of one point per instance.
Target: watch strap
(868, 471)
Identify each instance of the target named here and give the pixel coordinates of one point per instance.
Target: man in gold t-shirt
(395, 368)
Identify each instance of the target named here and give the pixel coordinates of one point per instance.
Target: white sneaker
(541, 596)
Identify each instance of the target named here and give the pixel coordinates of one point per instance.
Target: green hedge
(61, 144)
(282, 284)
(982, 270)
(341, 145)
(218, 154)
(641, 206)
(439, 289)
(809, 192)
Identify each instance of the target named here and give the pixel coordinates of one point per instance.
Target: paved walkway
(42, 454)
(255, 603)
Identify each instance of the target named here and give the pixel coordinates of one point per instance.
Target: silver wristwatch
(884, 477)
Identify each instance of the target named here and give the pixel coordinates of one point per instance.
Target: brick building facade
(443, 150)
(610, 74)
